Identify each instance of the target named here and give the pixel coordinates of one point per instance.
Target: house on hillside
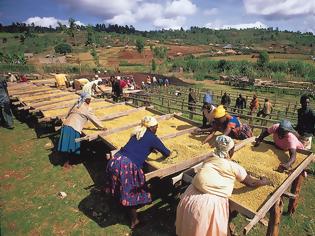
(28, 56)
(219, 53)
(230, 52)
(228, 46)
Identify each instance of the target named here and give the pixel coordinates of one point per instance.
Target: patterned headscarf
(223, 144)
(146, 122)
(82, 98)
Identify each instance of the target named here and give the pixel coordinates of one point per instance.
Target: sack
(207, 98)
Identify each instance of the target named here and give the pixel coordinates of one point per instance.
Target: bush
(278, 76)
(63, 48)
(263, 59)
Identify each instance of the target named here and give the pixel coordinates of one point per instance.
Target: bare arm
(263, 135)
(286, 166)
(251, 182)
(210, 136)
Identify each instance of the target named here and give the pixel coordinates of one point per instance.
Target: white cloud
(211, 12)
(162, 14)
(48, 21)
(123, 19)
(180, 8)
(149, 11)
(170, 23)
(280, 8)
(45, 21)
(219, 25)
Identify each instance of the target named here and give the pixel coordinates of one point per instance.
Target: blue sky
(157, 14)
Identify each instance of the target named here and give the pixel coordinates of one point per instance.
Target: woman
(77, 117)
(204, 207)
(284, 138)
(126, 180)
(228, 125)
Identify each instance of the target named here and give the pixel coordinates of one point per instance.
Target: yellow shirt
(217, 176)
(60, 80)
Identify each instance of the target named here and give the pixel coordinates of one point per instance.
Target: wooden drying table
(273, 203)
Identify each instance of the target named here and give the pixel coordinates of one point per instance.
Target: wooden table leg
(295, 189)
(275, 218)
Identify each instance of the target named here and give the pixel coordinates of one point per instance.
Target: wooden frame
(274, 204)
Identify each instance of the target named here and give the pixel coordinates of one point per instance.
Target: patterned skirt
(126, 182)
(67, 140)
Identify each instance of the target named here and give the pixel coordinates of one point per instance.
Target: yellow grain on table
(170, 126)
(95, 104)
(260, 161)
(111, 110)
(64, 111)
(43, 96)
(118, 122)
(42, 89)
(56, 112)
(58, 100)
(69, 102)
(183, 147)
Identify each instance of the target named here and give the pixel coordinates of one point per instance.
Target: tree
(63, 48)
(140, 45)
(153, 65)
(71, 30)
(90, 36)
(263, 59)
(95, 56)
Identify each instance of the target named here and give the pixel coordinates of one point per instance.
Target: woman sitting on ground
(77, 117)
(126, 180)
(228, 125)
(204, 207)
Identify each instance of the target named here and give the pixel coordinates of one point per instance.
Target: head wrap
(82, 98)
(146, 122)
(219, 112)
(96, 76)
(223, 144)
(286, 125)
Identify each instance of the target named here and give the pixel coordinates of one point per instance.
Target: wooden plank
(178, 167)
(173, 135)
(115, 130)
(277, 194)
(58, 95)
(123, 113)
(37, 90)
(49, 102)
(51, 91)
(189, 163)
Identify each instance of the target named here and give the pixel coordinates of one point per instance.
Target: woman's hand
(283, 167)
(265, 181)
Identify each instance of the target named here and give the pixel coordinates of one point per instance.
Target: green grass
(30, 206)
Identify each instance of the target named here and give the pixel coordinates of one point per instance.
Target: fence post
(168, 106)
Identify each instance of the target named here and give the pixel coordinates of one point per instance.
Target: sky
(293, 15)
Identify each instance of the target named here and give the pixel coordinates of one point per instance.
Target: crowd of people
(204, 207)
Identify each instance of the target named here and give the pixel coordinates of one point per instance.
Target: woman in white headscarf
(126, 180)
(204, 207)
(72, 127)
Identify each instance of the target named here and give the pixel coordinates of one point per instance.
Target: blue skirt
(126, 182)
(67, 140)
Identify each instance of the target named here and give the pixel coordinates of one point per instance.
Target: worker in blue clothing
(125, 177)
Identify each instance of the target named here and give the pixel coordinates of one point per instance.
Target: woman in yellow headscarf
(126, 180)
(228, 125)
